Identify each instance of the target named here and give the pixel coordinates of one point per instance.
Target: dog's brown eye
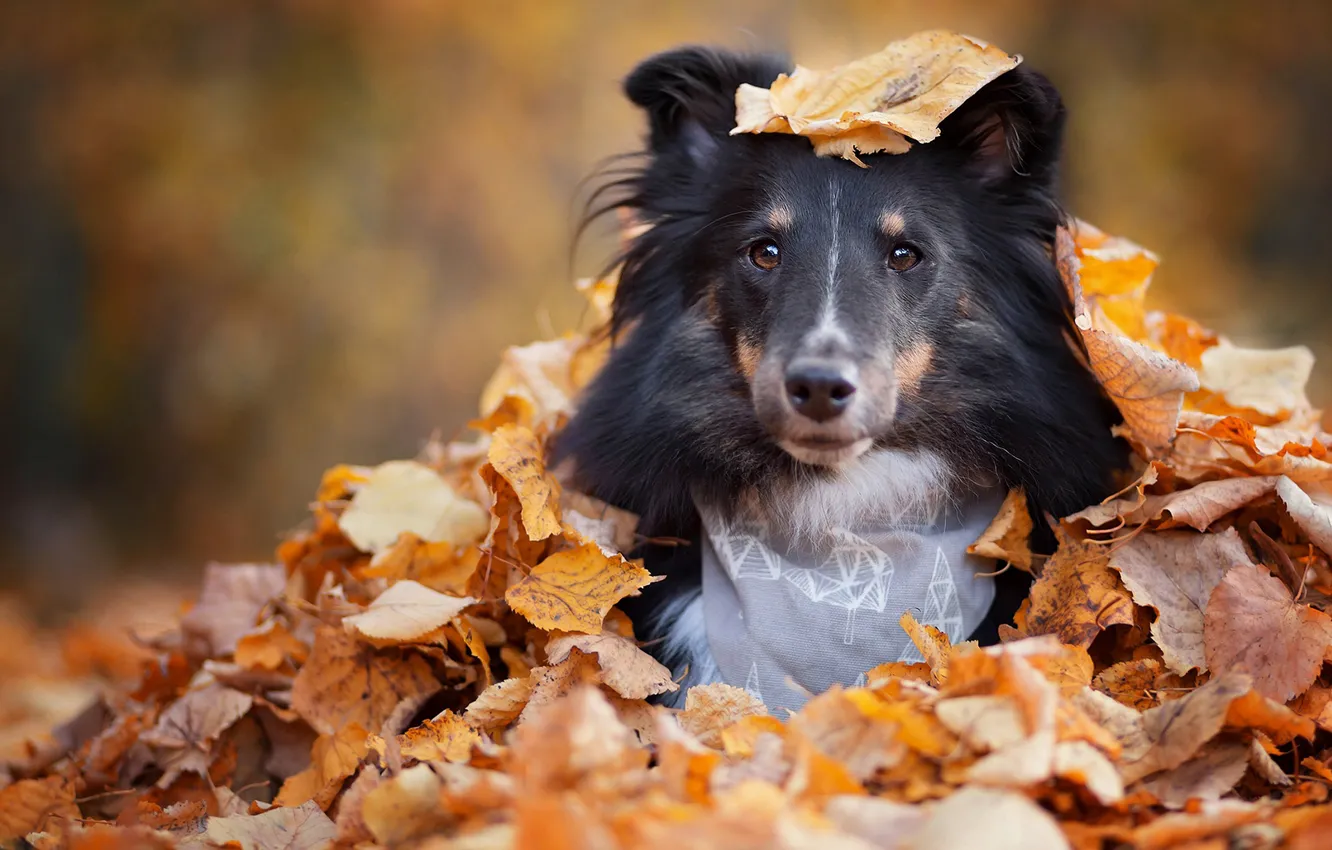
(903, 257)
(766, 255)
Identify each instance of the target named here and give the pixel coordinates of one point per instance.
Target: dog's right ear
(689, 95)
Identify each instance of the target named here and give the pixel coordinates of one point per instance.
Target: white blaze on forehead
(829, 329)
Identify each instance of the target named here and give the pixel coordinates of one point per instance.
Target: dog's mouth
(826, 451)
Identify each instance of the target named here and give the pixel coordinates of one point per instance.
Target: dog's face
(840, 290)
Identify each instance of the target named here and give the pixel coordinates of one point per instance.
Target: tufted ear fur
(689, 95)
(1012, 131)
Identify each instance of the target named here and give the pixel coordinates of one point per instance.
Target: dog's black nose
(819, 389)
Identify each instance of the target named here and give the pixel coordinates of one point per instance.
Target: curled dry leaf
(574, 589)
(1254, 626)
(516, 456)
(346, 681)
(873, 105)
(1008, 537)
(1148, 387)
(1077, 594)
(403, 495)
(1314, 519)
(406, 612)
(1210, 775)
(625, 669)
(1169, 735)
(501, 703)
(1175, 573)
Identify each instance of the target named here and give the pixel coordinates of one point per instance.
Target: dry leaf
(333, 758)
(516, 456)
(1175, 573)
(995, 820)
(270, 647)
(573, 590)
(1077, 594)
(350, 682)
(1173, 733)
(1008, 537)
(1147, 386)
(1314, 519)
(625, 669)
(406, 612)
(501, 703)
(1269, 382)
(30, 805)
(709, 709)
(404, 807)
(405, 496)
(1207, 777)
(229, 604)
(1252, 625)
(302, 828)
(870, 105)
(446, 737)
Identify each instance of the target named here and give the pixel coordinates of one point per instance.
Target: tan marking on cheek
(781, 218)
(912, 365)
(964, 306)
(747, 357)
(711, 306)
(892, 224)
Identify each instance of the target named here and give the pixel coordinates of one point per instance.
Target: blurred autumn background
(242, 242)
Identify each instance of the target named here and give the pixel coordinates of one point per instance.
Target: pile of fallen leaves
(437, 660)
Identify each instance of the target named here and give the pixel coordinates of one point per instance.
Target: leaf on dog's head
(878, 103)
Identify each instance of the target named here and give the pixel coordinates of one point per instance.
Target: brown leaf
(346, 681)
(1008, 537)
(1148, 387)
(270, 647)
(333, 758)
(1174, 732)
(1077, 594)
(501, 703)
(1130, 682)
(1175, 573)
(1253, 625)
(406, 612)
(711, 708)
(229, 604)
(305, 827)
(625, 669)
(199, 717)
(405, 496)
(30, 805)
(1211, 774)
(1314, 519)
(517, 457)
(871, 104)
(573, 590)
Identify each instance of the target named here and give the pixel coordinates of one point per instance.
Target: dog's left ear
(1012, 130)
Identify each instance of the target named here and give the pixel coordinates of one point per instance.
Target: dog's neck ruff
(790, 613)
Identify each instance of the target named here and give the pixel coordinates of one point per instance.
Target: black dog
(816, 334)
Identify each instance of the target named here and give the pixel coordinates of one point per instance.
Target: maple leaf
(1253, 625)
(573, 590)
(625, 669)
(1077, 594)
(350, 682)
(304, 827)
(405, 496)
(1175, 573)
(405, 612)
(874, 104)
(1008, 537)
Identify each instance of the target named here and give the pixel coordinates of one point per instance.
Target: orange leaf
(517, 457)
(346, 681)
(574, 589)
(1077, 594)
(1008, 537)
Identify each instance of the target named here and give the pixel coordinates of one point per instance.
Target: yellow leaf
(573, 590)
(403, 495)
(517, 457)
(333, 758)
(1008, 537)
(446, 737)
(873, 105)
(710, 709)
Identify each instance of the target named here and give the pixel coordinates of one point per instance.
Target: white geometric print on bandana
(790, 616)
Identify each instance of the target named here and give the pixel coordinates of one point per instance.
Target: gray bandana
(821, 612)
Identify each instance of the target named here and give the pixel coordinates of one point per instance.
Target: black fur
(673, 418)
